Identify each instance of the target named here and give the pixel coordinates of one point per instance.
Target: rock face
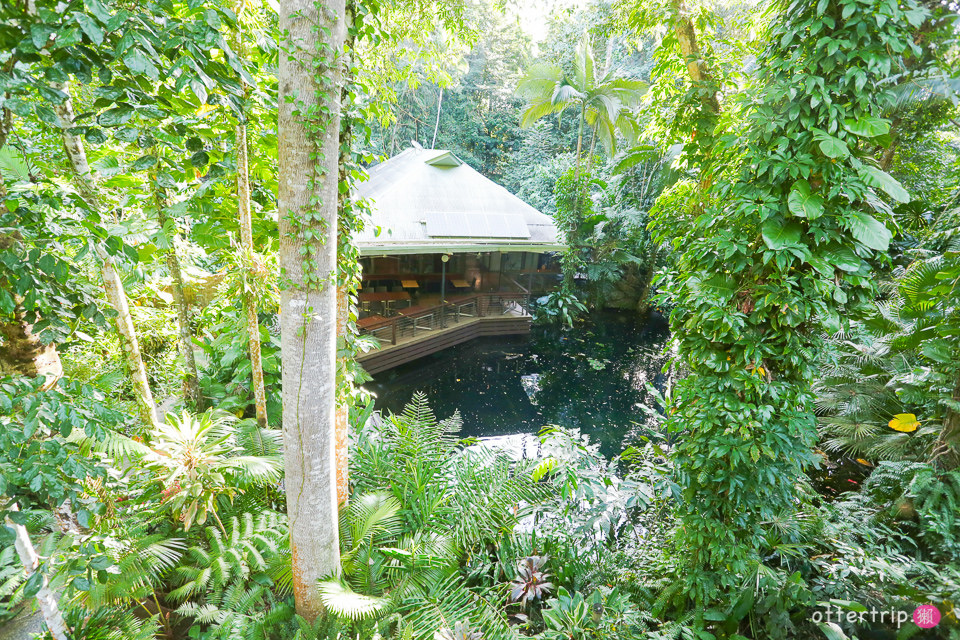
(631, 291)
(24, 627)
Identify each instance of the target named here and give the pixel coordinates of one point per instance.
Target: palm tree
(604, 101)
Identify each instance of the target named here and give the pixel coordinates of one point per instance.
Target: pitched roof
(428, 200)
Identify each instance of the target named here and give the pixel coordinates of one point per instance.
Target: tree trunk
(436, 127)
(593, 144)
(583, 117)
(700, 75)
(246, 244)
(697, 67)
(22, 353)
(117, 297)
(342, 416)
(46, 598)
(309, 127)
(112, 284)
(191, 381)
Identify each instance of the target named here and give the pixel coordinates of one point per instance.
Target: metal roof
(429, 201)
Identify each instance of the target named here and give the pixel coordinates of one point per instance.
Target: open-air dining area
(451, 256)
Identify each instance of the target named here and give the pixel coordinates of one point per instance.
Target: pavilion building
(447, 256)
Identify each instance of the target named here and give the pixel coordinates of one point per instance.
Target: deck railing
(415, 320)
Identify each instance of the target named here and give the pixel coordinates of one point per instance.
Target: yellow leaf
(865, 462)
(205, 109)
(905, 422)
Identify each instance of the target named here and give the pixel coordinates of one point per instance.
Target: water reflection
(592, 378)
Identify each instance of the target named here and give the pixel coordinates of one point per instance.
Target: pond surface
(592, 378)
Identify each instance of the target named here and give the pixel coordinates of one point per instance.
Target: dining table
(386, 298)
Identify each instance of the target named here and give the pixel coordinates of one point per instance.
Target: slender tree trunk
(246, 244)
(700, 76)
(593, 144)
(191, 381)
(112, 284)
(583, 117)
(309, 126)
(249, 302)
(133, 359)
(46, 598)
(436, 127)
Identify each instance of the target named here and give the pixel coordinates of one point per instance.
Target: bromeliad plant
(532, 582)
(199, 460)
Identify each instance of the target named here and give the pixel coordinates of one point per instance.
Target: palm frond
(343, 601)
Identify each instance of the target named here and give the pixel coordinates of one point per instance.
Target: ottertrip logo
(925, 616)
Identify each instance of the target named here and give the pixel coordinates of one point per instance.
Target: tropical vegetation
(187, 445)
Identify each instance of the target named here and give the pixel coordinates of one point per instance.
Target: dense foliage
(782, 178)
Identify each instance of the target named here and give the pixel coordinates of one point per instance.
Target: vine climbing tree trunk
(112, 284)
(702, 79)
(309, 126)
(191, 380)
(246, 246)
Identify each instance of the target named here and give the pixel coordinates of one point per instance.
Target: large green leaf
(803, 203)
(882, 180)
(116, 116)
(779, 234)
(143, 162)
(722, 285)
(90, 27)
(834, 147)
(343, 601)
(867, 126)
(138, 62)
(841, 257)
(869, 231)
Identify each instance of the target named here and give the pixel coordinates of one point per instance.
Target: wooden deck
(420, 331)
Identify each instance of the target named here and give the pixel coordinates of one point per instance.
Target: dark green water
(591, 378)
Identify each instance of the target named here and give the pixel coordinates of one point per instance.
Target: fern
(228, 583)
(110, 623)
(447, 602)
(143, 562)
(12, 576)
